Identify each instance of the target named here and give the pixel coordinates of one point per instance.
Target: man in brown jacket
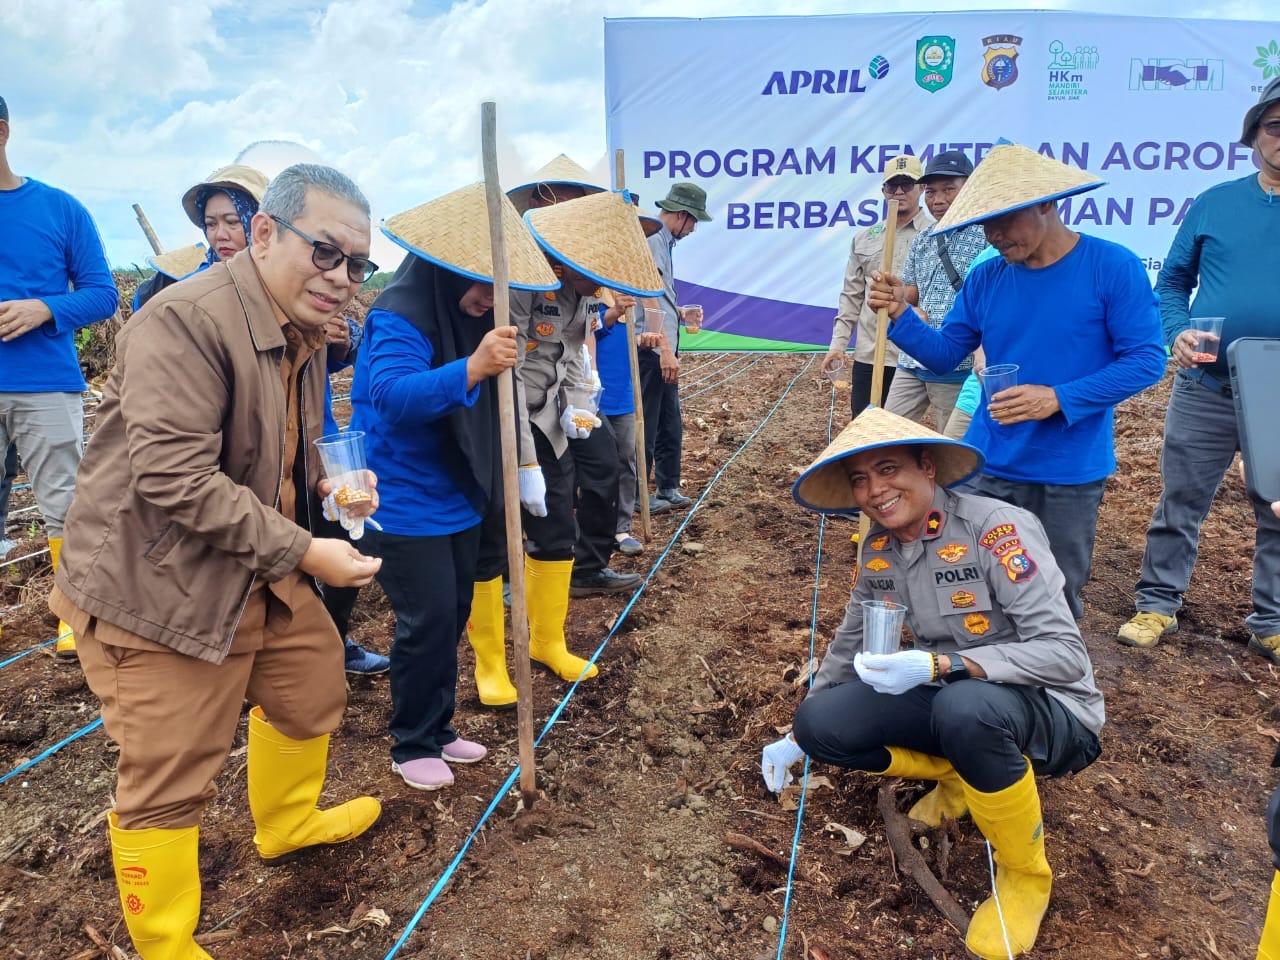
(188, 569)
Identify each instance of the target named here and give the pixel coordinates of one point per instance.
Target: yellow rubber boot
(66, 644)
(285, 779)
(1010, 819)
(546, 588)
(1269, 945)
(947, 798)
(158, 876)
(488, 639)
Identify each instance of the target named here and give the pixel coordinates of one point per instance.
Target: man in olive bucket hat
(1225, 252)
(683, 208)
(998, 687)
(1076, 316)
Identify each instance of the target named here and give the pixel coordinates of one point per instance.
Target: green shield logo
(934, 59)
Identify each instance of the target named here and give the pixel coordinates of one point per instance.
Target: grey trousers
(911, 397)
(1069, 514)
(624, 432)
(1200, 441)
(48, 430)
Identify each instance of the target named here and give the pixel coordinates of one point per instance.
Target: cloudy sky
(132, 101)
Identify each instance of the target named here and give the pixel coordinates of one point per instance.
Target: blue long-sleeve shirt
(1227, 245)
(1086, 325)
(399, 400)
(50, 251)
(613, 363)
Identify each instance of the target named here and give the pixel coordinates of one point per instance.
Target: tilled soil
(639, 845)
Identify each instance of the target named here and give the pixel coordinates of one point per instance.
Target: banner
(788, 121)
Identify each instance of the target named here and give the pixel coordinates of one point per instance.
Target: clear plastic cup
(998, 376)
(882, 622)
(839, 376)
(691, 317)
(342, 455)
(1209, 330)
(581, 396)
(653, 320)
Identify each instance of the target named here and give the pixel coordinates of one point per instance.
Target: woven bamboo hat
(237, 176)
(181, 262)
(1010, 178)
(599, 236)
(824, 486)
(453, 232)
(561, 170)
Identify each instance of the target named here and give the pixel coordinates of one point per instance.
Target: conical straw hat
(453, 232)
(560, 170)
(237, 175)
(181, 262)
(824, 486)
(1009, 178)
(600, 237)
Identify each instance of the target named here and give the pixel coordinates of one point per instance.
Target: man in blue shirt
(1225, 251)
(54, 279)
(1075, 312)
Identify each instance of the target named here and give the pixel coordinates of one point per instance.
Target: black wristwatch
(956, 671)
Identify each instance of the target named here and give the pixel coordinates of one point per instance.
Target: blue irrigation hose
(52, 750)
(438, 887)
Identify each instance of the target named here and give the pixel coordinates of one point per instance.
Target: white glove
(776, 761)
(336, 514)
(577, 424)
(894, 672)
(533, 490)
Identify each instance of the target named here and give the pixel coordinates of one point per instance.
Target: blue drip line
(27, 653)
(724, 381)
(813, 631)
(716, 372)
(52, 750)
(443, 881)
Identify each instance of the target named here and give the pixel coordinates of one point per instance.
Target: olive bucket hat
(687, 198)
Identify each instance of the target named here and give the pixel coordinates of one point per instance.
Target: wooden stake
(510, 462)
(146, 228)
(882, 337)
(633, 355)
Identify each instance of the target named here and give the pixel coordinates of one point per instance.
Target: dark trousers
(1069, 514)
(860, 386)
(985, 729)
(492, 560)
(339, 601)
(595, 461)
(552, 537)
(429, 583)
(663, 428)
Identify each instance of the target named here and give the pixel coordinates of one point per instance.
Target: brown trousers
(174, 717)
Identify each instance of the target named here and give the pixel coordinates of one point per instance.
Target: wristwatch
(957, 669)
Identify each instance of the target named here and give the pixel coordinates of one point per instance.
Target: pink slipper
(424, 773)
(463, 751)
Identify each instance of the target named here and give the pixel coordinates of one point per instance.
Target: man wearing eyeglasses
(901, 182)
(189, 570)
(1225, 251)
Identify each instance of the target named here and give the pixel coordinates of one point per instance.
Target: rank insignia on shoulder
(1018, 565)
(977, 624)
(933, 524)
(879, 543)
(953, 552)
(962, 599)
(996, 534)
(877, 564)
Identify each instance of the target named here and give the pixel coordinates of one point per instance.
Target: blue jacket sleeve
(1133, 321)
(403, 386)
(1180, 273)
(94, 295)
(940, 350)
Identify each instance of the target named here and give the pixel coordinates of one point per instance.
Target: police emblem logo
(1018, 565)
(953, 552)
(962, 599)
(545, 329)
(977, 624)
(879, 543)
(1000, 63)
(876, 565)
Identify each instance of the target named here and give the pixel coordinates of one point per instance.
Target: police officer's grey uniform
(981, 582)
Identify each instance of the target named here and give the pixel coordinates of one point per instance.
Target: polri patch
(996, 534)
(879, 543)
(962, 600)
(977, 624)
(877, 564)
(953, 552)
(1018, 565)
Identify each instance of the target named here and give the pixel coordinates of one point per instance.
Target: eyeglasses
(1271, 128)
(898, 186)
(326, 256)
